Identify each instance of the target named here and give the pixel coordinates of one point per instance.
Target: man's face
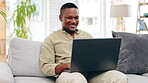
(69, 19)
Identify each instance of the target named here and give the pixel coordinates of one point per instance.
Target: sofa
(23, 64)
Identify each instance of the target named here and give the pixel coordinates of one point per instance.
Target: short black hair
(68, 5)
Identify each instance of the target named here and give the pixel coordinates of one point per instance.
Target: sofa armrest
(6, 75)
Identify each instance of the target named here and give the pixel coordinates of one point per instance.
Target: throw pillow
(24, 57)
(133, 56)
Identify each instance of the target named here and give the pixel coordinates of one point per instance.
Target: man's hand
(59, 68)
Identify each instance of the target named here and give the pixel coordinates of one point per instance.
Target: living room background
(22, 62)
(94, 17)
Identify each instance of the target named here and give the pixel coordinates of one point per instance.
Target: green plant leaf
(25, 9)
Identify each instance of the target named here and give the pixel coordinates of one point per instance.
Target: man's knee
(112, 76)
(119, 77)
(71, 78)
(116, 76)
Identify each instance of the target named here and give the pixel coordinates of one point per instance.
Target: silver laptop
(95, 54)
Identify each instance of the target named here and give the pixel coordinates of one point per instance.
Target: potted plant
(21, 19)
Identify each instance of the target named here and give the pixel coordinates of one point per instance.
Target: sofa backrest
(23, 57)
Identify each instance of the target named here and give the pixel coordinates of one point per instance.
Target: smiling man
(56, 51)
(70, 20)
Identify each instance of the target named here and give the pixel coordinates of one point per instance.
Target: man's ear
(60, 17)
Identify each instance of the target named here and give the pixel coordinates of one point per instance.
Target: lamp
(119, 11)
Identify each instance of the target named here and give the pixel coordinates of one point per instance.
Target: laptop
(95, 54)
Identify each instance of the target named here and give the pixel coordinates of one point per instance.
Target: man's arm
(47, 58)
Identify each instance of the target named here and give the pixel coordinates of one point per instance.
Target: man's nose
(73, 20)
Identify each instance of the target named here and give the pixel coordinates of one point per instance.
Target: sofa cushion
(136, 78)
(24, 57)
(133, 53)
(33, 80)
(145, 74)
(6, 75)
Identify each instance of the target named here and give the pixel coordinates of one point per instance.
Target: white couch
(23, 65)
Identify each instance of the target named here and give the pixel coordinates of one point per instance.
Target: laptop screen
(95, 54)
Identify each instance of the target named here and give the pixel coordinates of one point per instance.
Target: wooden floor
(2, 58)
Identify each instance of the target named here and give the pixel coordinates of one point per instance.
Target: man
(56, 52)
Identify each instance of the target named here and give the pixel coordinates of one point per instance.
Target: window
(91, 15)
(88, 21)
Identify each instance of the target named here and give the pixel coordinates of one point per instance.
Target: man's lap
(93, 77)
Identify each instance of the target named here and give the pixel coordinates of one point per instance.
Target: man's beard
(69, 31)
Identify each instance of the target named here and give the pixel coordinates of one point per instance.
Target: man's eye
(69, 17)
(76, 17)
